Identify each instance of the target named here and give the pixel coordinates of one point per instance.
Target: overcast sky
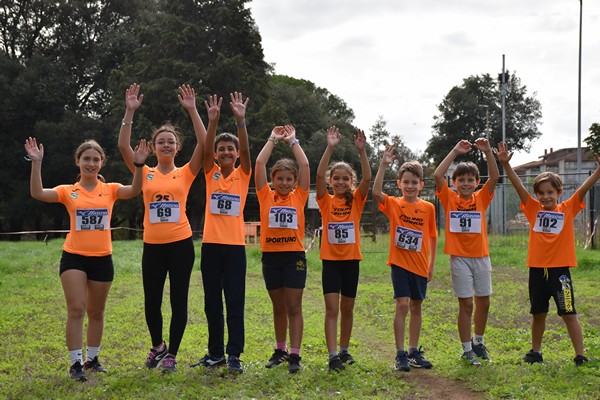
(399, 58)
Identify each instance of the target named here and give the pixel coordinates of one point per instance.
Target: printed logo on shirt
(150, 177)
(216, 176)
(74, 195)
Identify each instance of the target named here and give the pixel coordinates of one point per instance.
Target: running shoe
(346, 357)
(417, 360)
(481, 351)
(169, 364)
(156, 356)
(335, 364)
(234, 364)
(76, 372)
(279, 357)
(209, 361)
(294, 364)
(469, 358)
(533, 357)
(401, 363)
(94, 366)
(580, 360)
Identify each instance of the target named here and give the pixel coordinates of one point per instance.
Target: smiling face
(90, 161)
(284, 181)
(165, 145)
(226, 153)
(410, 185)
(466, 185)
(548, 195)
(341, 181)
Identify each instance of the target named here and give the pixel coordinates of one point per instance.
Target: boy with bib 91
(413, 247)
(551, 251)
(466, 242)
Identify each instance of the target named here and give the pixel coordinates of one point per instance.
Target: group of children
(86, 267)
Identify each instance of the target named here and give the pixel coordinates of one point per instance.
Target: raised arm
(36, 155)
(360, 142)
(133, 101)
(139, 158)
(387, 158)
(591, 180)
(333, 138)
(303, 166)
(260, 171)
(461, 148)
(213, 109)
(238, 107)
(187, 98)
(483, 145)
(504, 158)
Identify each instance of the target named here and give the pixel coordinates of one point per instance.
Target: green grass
(34, 361)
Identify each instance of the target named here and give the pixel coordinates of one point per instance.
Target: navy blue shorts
(408, 284)
(340, 277)
(551, 282)
(99, 269)
(284, 269)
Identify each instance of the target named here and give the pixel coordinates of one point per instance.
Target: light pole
(579, 94)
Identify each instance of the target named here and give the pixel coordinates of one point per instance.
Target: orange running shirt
(281, 220)
(165, 199)
(341, 227)
(89, 214)
(466, 228)
(224, 212)
(412, 225)
(551, 233)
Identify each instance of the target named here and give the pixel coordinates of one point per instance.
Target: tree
(380, 138)
(593, 140)
(473, 110)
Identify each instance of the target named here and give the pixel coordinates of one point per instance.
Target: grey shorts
(471, 276)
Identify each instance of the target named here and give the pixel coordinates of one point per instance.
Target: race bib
(465, 221)
(341, 232)
(549, 222)
(283, 217)
(225, 204)
(91, 219)
(408, 239)
(164, 211)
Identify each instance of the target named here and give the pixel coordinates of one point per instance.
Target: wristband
(123, 123)
(242, 125)
(139, 165)
(293, 142)
(274, 140)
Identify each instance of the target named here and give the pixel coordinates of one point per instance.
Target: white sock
(478, 339)
(76, 355)
(91, 353)
(467, 346)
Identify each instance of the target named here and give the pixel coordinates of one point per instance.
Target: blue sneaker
(416, 360)
(209, 361)
(234, 364)
(401, 363)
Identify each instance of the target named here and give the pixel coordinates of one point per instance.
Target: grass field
(34, 361)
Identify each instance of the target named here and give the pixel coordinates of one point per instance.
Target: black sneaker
(169, 364)
(279, 357)
(346, 357)
(294, 364)
(155, 357)
(76, 372)
(468, 357)
(209, 361)
(401, 363)
(335, 364)
(481, 351)
(416, 360)
(94, 366)
(234, 364)
(580, 360)
(533, 357)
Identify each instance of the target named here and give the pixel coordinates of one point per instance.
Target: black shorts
(99, 269)
(340, 277)
(551, 282)
(284, 269)
(408, 284)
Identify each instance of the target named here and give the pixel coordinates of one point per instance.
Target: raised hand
(290, 134)
(502, 153)
(187, 97)
(389, 155)
(238, 106)
(34, 152)
(333, 136)
(482, 144)
(278, 132)
(141, 152)
(463, 147)
(133, 100)
(213, 107)
(360, 140)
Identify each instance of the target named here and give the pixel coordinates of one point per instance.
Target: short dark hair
(227, 137)
(414, 167)
(466, 168)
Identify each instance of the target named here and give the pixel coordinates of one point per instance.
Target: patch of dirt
(432, 386)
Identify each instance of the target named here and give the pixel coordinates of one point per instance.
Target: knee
(466, 306)
(401, 307)
(95, 314)
(76, 311)
(347, 309)
(294, 309)
(415, 309)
